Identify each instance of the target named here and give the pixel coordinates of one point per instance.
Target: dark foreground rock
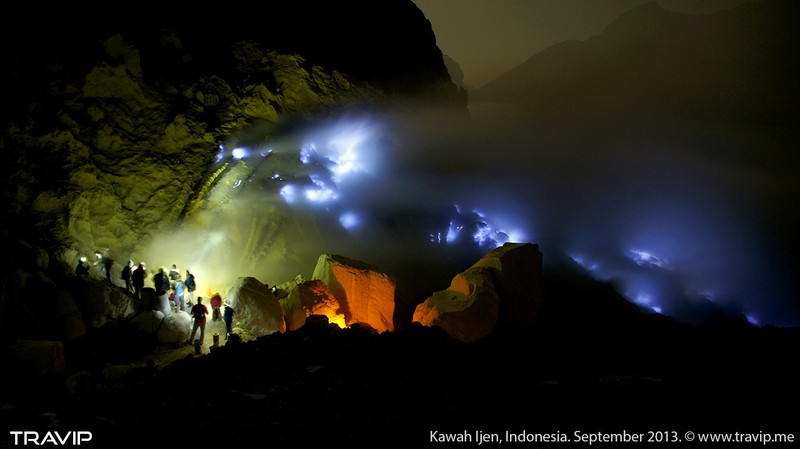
(321, 384)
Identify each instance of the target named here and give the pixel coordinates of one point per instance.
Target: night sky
(489, 37)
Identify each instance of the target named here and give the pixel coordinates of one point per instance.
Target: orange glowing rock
(306, 298)
(364, 292)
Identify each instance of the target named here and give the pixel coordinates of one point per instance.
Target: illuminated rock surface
(517, 271)
(169, 329)
(309, 297)
(257, 308)
(365, 293)
(501, 289)
(467, 310)
(175, 328)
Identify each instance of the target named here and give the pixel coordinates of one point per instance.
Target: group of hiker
(181, 290)
(164, 282)
(102, 262)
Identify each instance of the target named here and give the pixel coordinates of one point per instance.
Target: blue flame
(289, 193)
(239, 153)
(643, 257)
(654, 245)
(322, 192)
(306, 154)
(349, 220)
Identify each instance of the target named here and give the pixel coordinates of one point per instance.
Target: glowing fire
(333, 317)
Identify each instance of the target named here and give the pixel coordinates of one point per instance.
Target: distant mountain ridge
(735, 65)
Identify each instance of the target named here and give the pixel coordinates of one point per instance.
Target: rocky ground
(321, 384)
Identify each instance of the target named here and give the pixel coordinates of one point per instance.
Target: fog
(679, 216)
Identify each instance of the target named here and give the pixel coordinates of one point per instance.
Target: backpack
(199, 311)
(189, 283)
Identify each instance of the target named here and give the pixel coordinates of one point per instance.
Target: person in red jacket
(216, 303)
(199, 312)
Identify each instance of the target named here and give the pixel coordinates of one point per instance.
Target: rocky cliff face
(113, 126)
(118, 126)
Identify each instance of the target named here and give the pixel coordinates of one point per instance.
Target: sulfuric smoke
(677, 215)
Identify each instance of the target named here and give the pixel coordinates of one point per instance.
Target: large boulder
(517, 270)
(501, 290)
(467, 309)
(148, 322)
(172, 328)
(310, 298)
(258, 310)
(175, 328)
(365, 293)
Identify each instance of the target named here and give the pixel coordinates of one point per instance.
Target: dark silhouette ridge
(389, 44)
(733, 66)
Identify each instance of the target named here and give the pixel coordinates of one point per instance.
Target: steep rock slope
(114, 120)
